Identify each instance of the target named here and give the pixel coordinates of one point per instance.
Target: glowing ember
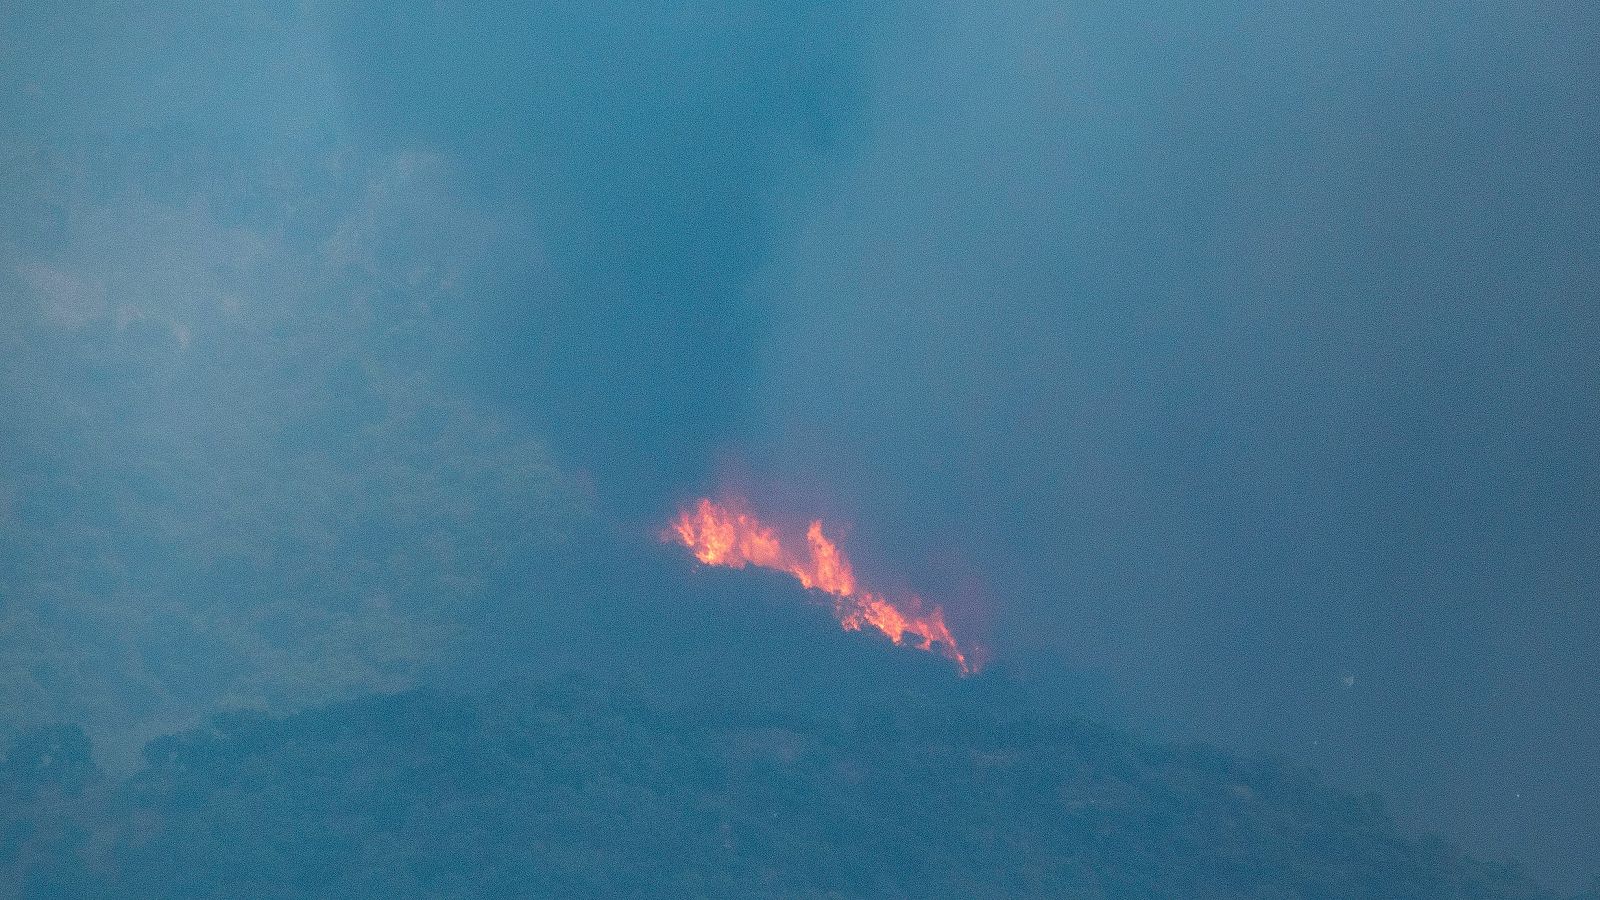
(719, 536)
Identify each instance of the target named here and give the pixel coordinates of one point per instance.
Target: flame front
(719, 536)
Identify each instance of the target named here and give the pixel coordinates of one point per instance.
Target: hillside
(577, 787)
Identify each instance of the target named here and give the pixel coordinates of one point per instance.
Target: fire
(720, 536)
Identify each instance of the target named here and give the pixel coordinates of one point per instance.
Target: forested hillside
(577, 787)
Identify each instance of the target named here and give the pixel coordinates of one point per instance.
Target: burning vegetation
(719, 535)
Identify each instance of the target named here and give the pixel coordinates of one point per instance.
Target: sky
(1236, 363)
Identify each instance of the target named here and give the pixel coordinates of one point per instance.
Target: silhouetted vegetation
(575, 787)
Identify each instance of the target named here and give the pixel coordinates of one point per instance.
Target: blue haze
(1236, 366)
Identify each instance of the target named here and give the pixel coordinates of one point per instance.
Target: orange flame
(720, 536)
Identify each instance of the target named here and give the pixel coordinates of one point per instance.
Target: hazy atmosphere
(1218, 376)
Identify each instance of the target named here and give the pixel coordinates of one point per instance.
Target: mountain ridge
(577, 786)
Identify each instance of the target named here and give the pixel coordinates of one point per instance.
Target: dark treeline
(575, 786)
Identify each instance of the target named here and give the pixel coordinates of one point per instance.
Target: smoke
(238, 469)
(1254, 344)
